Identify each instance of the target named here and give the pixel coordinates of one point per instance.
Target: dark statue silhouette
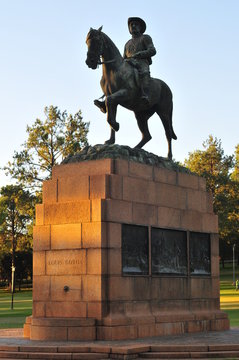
(126, 81)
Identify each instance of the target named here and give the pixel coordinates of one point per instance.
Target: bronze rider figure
(138, 51)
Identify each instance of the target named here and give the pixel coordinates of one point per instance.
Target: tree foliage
(23, 264)
(16, 213)
(221, 176)
(58, 136)
(235, 173)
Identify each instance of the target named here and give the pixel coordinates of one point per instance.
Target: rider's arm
(124, 55)
(149, 49)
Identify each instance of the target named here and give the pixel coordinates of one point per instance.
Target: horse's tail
(174, 136)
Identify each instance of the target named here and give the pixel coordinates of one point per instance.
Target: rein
(105, 62)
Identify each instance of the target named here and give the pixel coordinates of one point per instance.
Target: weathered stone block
(85, 333)
(201, 288)
(116, 187)
(121, 167)
(39, 263)
(145, 214)
(73, 188)
(96, 309)
(113, 235)
(97, 210)
(114, 261)
(62, 309)
(96, 260)
(41, 237)
(140, 170)
(117, 332)
(39, 214)
(210, 223)
(137, 190)
(188, 181)
(120, 288)
(41, 288)
(49, 191)
(93, 167)
(94, 235)
(169, 218)
(38, 309)
(165, 176)
(191, 220)
(99, 186)
(67, 213)
(64, 262)
(74, 291)
(197, 200)
(66, 236)
(93, 288)
(49, 333)
(118, 211)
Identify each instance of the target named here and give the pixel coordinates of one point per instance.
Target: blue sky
(42, 62)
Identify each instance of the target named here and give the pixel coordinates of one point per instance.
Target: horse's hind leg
(142, 120)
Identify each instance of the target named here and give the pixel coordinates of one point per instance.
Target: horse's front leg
(112, 102)
(112, 138)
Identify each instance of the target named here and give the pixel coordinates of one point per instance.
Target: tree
(217, 169)
(48, 142)
(23, 263)
(235, 173)
(16, 213)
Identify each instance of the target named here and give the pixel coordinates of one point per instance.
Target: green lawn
(22, 307)
(229, 297)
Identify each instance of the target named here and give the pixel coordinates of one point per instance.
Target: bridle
(100, 52)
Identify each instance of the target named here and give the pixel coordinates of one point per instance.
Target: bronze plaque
(168, 251)
(135, 250)
(200, 253)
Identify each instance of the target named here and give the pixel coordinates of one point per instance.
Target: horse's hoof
(115, 126)
(109, 142)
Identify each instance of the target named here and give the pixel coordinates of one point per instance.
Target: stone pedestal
(82, 289)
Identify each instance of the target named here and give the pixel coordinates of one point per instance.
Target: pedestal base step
(78, 352)
(124, 328)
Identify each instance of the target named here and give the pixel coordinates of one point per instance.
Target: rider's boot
(100, 105)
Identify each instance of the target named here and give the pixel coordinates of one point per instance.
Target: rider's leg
(144, 82)
(144, 76)
(100, 105)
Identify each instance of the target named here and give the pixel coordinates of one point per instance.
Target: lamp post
(233, 262)
(13, 273)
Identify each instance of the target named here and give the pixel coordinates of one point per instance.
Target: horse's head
(94, 41)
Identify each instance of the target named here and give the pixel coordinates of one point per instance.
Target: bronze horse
(120, 86)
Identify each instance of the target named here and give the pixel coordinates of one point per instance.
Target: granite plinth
(77, 260)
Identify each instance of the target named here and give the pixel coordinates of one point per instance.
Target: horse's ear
(100, 28)
(90, 29)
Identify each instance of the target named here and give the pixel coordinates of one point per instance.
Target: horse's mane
(110, 45)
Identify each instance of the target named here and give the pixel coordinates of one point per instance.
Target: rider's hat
(140, 21)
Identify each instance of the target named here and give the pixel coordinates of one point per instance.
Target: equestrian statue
(126, 81)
